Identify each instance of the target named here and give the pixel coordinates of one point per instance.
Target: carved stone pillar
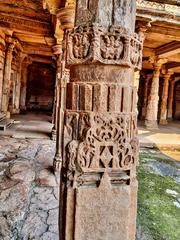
(100, 145)
(24, 78)
(66, 17)
(153, 99)
(170, 99)
(58, 53)
(163, 107)
(136, 84)
(2, 57)
(7, 77)
(16, 105)
(145, 97)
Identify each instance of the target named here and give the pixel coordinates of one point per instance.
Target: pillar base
(57, 163)
(23, 108)
(8, 115)
(53, 134)
(163, 122)
(15, 111)
(151, 124)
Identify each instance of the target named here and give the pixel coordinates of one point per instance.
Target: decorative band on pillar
(106, 45)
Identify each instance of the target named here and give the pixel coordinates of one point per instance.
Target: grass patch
(157, 213)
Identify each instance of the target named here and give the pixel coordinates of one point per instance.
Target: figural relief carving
(112, 45)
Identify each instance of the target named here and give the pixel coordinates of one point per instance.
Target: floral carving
(103, 144)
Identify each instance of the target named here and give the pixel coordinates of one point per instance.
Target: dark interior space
(40, 87)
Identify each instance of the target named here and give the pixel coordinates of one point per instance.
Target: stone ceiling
(30, 23)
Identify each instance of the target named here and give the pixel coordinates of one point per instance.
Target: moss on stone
(157, 213)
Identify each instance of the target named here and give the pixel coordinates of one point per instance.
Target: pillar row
(100, 145)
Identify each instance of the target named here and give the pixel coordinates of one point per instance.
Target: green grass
(157, 214)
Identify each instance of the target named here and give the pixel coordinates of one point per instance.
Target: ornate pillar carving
(16, 105)
(136, 84)
(24, 78)
(2, 58)
(7, 74)
(163, 108)
(100, 145)
(66, 17)
(57, 49)
(170, 99)
(145, 97)
(153, 99)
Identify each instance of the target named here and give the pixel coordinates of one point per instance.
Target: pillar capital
(66, 17)
(168, 74)
(142, 27)
(57, 49)
(111, 45)
(159, 62)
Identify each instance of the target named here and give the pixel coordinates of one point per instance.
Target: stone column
(163, 107)
(145, 97)
(16, 106)
(153, 99)
(24, 78)
(2, 57)
(170, 99)
(100, 144)
(66, 17)
(136, 84)
(57, 49)
(7, 77)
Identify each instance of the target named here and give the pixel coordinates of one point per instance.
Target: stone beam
(171, 2)
(175, 58)
(172, 65)
(164, 33)
(168, 49)
(34, 49)
(33, 38)
(40, 59)
(176, 69)
(25, 25)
